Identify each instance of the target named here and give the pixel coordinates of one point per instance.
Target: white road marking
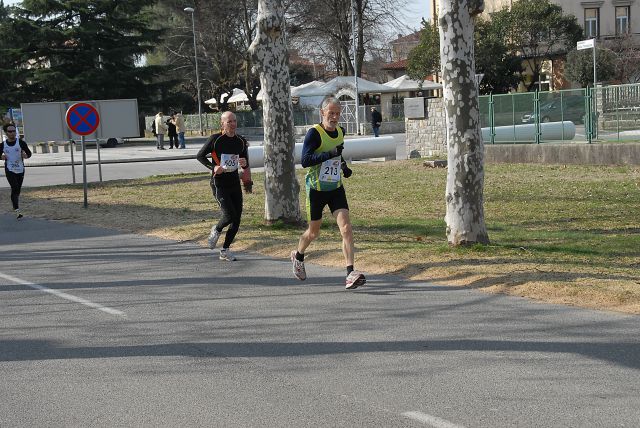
(432, 421)
(63, 295)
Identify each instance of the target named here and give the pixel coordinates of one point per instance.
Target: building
(603, 20)
(400, 48)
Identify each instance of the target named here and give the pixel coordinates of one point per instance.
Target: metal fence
(604, 114)
(302, 116)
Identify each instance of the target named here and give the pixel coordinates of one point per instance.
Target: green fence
(618, 112)
(253, 118)
(605, 114)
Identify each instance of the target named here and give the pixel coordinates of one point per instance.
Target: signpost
(83, 119)
(591, 44)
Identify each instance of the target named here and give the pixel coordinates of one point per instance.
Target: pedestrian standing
(229, 165)
(178, 120)
(171, 132)
(161, 129)
(322, 155)
(376, 121)
(13, 151)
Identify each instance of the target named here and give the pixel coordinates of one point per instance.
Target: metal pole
(99, 164)
(72, 146)
(355, 69)
(195, 54)
(84, 169)
(595, 93)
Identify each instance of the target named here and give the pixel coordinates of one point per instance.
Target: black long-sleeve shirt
(221, 144)
(311, 143)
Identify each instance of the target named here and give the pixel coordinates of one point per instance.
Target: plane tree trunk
(465, 149)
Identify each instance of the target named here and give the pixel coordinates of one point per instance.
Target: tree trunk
(269, 53)
(465, 175)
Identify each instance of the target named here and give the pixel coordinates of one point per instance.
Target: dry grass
(561, 234)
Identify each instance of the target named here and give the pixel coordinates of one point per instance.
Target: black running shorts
(317, 200)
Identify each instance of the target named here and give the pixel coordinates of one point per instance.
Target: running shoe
(227, 255)
(19, 214)
(213, 238)
(354, 280)
(298, 267)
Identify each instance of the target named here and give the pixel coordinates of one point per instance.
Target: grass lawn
(559, 233)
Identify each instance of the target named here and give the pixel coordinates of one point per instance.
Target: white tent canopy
(347, 83)
(238, 96)
(404, 83)
(296, 90)
(225, 95)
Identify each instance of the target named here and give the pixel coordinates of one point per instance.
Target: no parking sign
(82, 118)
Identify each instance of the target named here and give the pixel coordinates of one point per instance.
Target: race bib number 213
(330, 170)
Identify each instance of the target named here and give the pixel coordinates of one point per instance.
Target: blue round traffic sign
(82, 118)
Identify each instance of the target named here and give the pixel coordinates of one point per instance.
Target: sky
(416, 10)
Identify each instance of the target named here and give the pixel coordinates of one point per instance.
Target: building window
(591, 21)
(622, 20)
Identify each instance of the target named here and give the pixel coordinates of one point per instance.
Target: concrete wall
(393, 127)
(572, 153)
(427, 137)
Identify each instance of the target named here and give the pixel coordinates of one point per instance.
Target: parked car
(570, 107)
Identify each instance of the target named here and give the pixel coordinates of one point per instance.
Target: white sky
(416, 10)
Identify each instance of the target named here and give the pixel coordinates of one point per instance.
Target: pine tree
(75, 50)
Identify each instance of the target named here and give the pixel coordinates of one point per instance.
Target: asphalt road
(131, 160)
(101, 328)
(41, 169)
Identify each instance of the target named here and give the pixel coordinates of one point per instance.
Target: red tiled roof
(413, 37)
(398, 65)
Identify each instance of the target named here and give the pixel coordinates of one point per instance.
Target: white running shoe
(227, 255)
(18, 214)
(354, 280)
(298, 267)
(213, 238)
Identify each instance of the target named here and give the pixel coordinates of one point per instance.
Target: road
(103, 328)
(158, 163)
(129, 156)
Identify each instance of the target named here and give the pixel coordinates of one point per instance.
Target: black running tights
(230, 200)
(15, 181)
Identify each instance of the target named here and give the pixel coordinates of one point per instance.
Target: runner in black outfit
(229, 151)
(13, 151)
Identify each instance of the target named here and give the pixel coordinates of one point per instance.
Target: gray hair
(330, 99)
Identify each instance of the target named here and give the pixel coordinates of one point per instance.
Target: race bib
(229, 162)
(16, 166)
(330, 170)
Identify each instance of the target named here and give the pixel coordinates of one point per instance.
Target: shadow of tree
(620, 353)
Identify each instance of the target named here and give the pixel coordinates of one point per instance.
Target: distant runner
(13, 151)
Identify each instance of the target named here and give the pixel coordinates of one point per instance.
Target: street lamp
(195, 53)
(355, 68)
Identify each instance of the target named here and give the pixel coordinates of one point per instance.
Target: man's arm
(204, 151)
(311, 143)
